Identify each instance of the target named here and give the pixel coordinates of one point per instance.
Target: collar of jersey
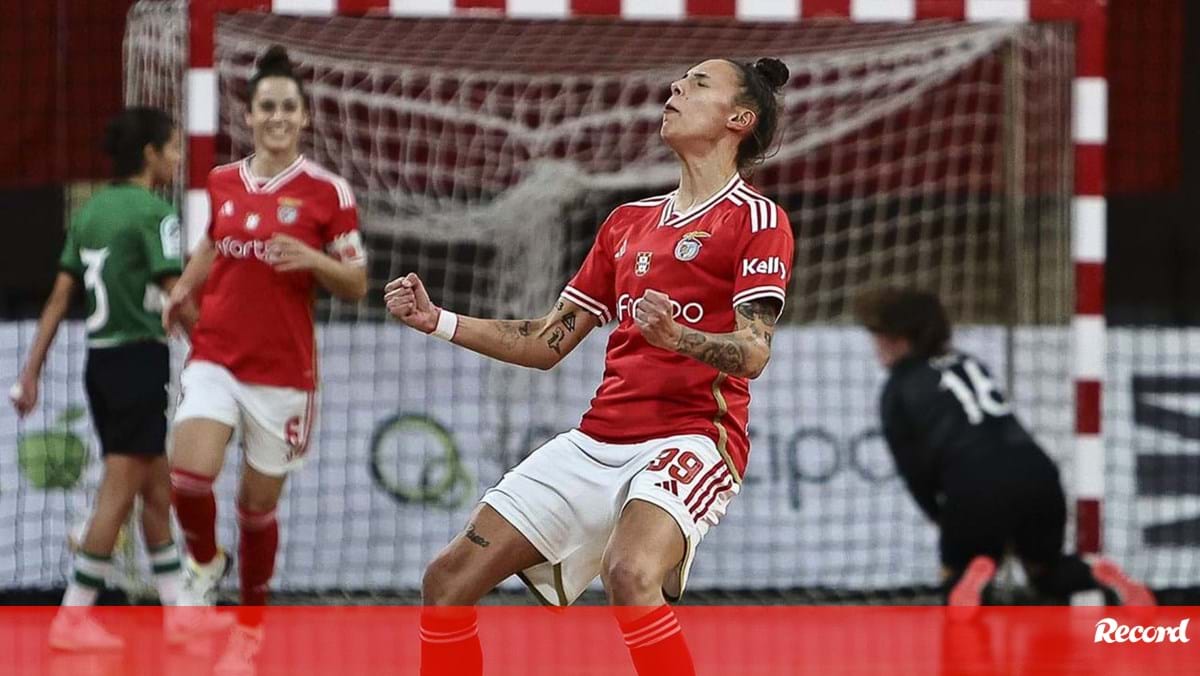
(278, 180)
(670, 218)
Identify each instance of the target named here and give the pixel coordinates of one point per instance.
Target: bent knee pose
(629, 494)
(968, 462)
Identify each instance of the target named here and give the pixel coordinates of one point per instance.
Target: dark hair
(917, 316)
(129, 132)
(761, 82)
(275, 63)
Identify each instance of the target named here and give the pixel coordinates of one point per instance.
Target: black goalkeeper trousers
(999, 502)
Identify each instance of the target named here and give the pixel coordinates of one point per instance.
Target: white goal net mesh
(485, 152)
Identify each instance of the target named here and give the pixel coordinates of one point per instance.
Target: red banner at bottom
(726, 640)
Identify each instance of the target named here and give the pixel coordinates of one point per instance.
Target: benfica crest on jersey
(642, 264)
(689, 245)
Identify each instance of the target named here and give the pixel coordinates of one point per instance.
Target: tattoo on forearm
(760, 311)
(568, 320)
(762, 316)
(726, 352)
(511, 332)
(721, 352)
(476, 537)
(555, 339)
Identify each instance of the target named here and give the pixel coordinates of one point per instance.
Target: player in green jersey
(124, 247)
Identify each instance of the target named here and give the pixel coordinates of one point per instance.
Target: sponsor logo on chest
(763, 266)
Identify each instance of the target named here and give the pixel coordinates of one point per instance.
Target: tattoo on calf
(476, 537)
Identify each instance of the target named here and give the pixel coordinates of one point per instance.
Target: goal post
(953, 144)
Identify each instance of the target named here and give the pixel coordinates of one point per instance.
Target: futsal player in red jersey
(695, 281)
(280, 225)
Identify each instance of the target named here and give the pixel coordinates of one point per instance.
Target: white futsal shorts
(567, 496)
(274, 421)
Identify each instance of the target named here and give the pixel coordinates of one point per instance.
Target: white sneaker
(200, 580)
(241, 652)
(75, 630)
(182, 624)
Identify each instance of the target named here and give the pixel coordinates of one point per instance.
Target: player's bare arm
(179, 310)
(24, 393)
(347, 281)
(743, 352)
(534, 343)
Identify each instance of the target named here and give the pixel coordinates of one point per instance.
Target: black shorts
(127, 390)
(1017, 504)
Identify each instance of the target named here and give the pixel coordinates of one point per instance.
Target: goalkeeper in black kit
(970, 465)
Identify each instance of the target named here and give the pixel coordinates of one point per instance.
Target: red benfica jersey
(734, 248)
(255, 321)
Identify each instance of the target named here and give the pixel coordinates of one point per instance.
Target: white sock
(87, 579)
(168, 573)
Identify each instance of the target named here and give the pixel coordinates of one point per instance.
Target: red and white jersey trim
(675, 220)
(754, 293)
(342, 186)
(254, 184)
(763, 214)
(650, 201)
(588, 303)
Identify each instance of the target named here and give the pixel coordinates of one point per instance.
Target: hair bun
(772, 71)
(274, 61)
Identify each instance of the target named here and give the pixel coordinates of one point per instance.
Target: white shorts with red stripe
(567, 496)
(275, 422)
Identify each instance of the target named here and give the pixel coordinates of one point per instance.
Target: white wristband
(446, 325)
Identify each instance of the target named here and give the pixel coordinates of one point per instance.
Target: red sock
(256, 560)
(657, 646)
(450, 642)
(196, 509)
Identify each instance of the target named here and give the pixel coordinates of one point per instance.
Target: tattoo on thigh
(476, 537)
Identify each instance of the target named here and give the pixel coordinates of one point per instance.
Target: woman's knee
(631, 580)
(442, 583)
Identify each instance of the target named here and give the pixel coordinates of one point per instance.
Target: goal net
(485, 152)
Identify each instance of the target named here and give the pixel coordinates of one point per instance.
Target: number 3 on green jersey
(122, 244)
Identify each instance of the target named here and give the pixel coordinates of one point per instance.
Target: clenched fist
(652, 315)
(407, 300)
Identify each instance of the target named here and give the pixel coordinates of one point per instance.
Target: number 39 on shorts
(682, 466)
